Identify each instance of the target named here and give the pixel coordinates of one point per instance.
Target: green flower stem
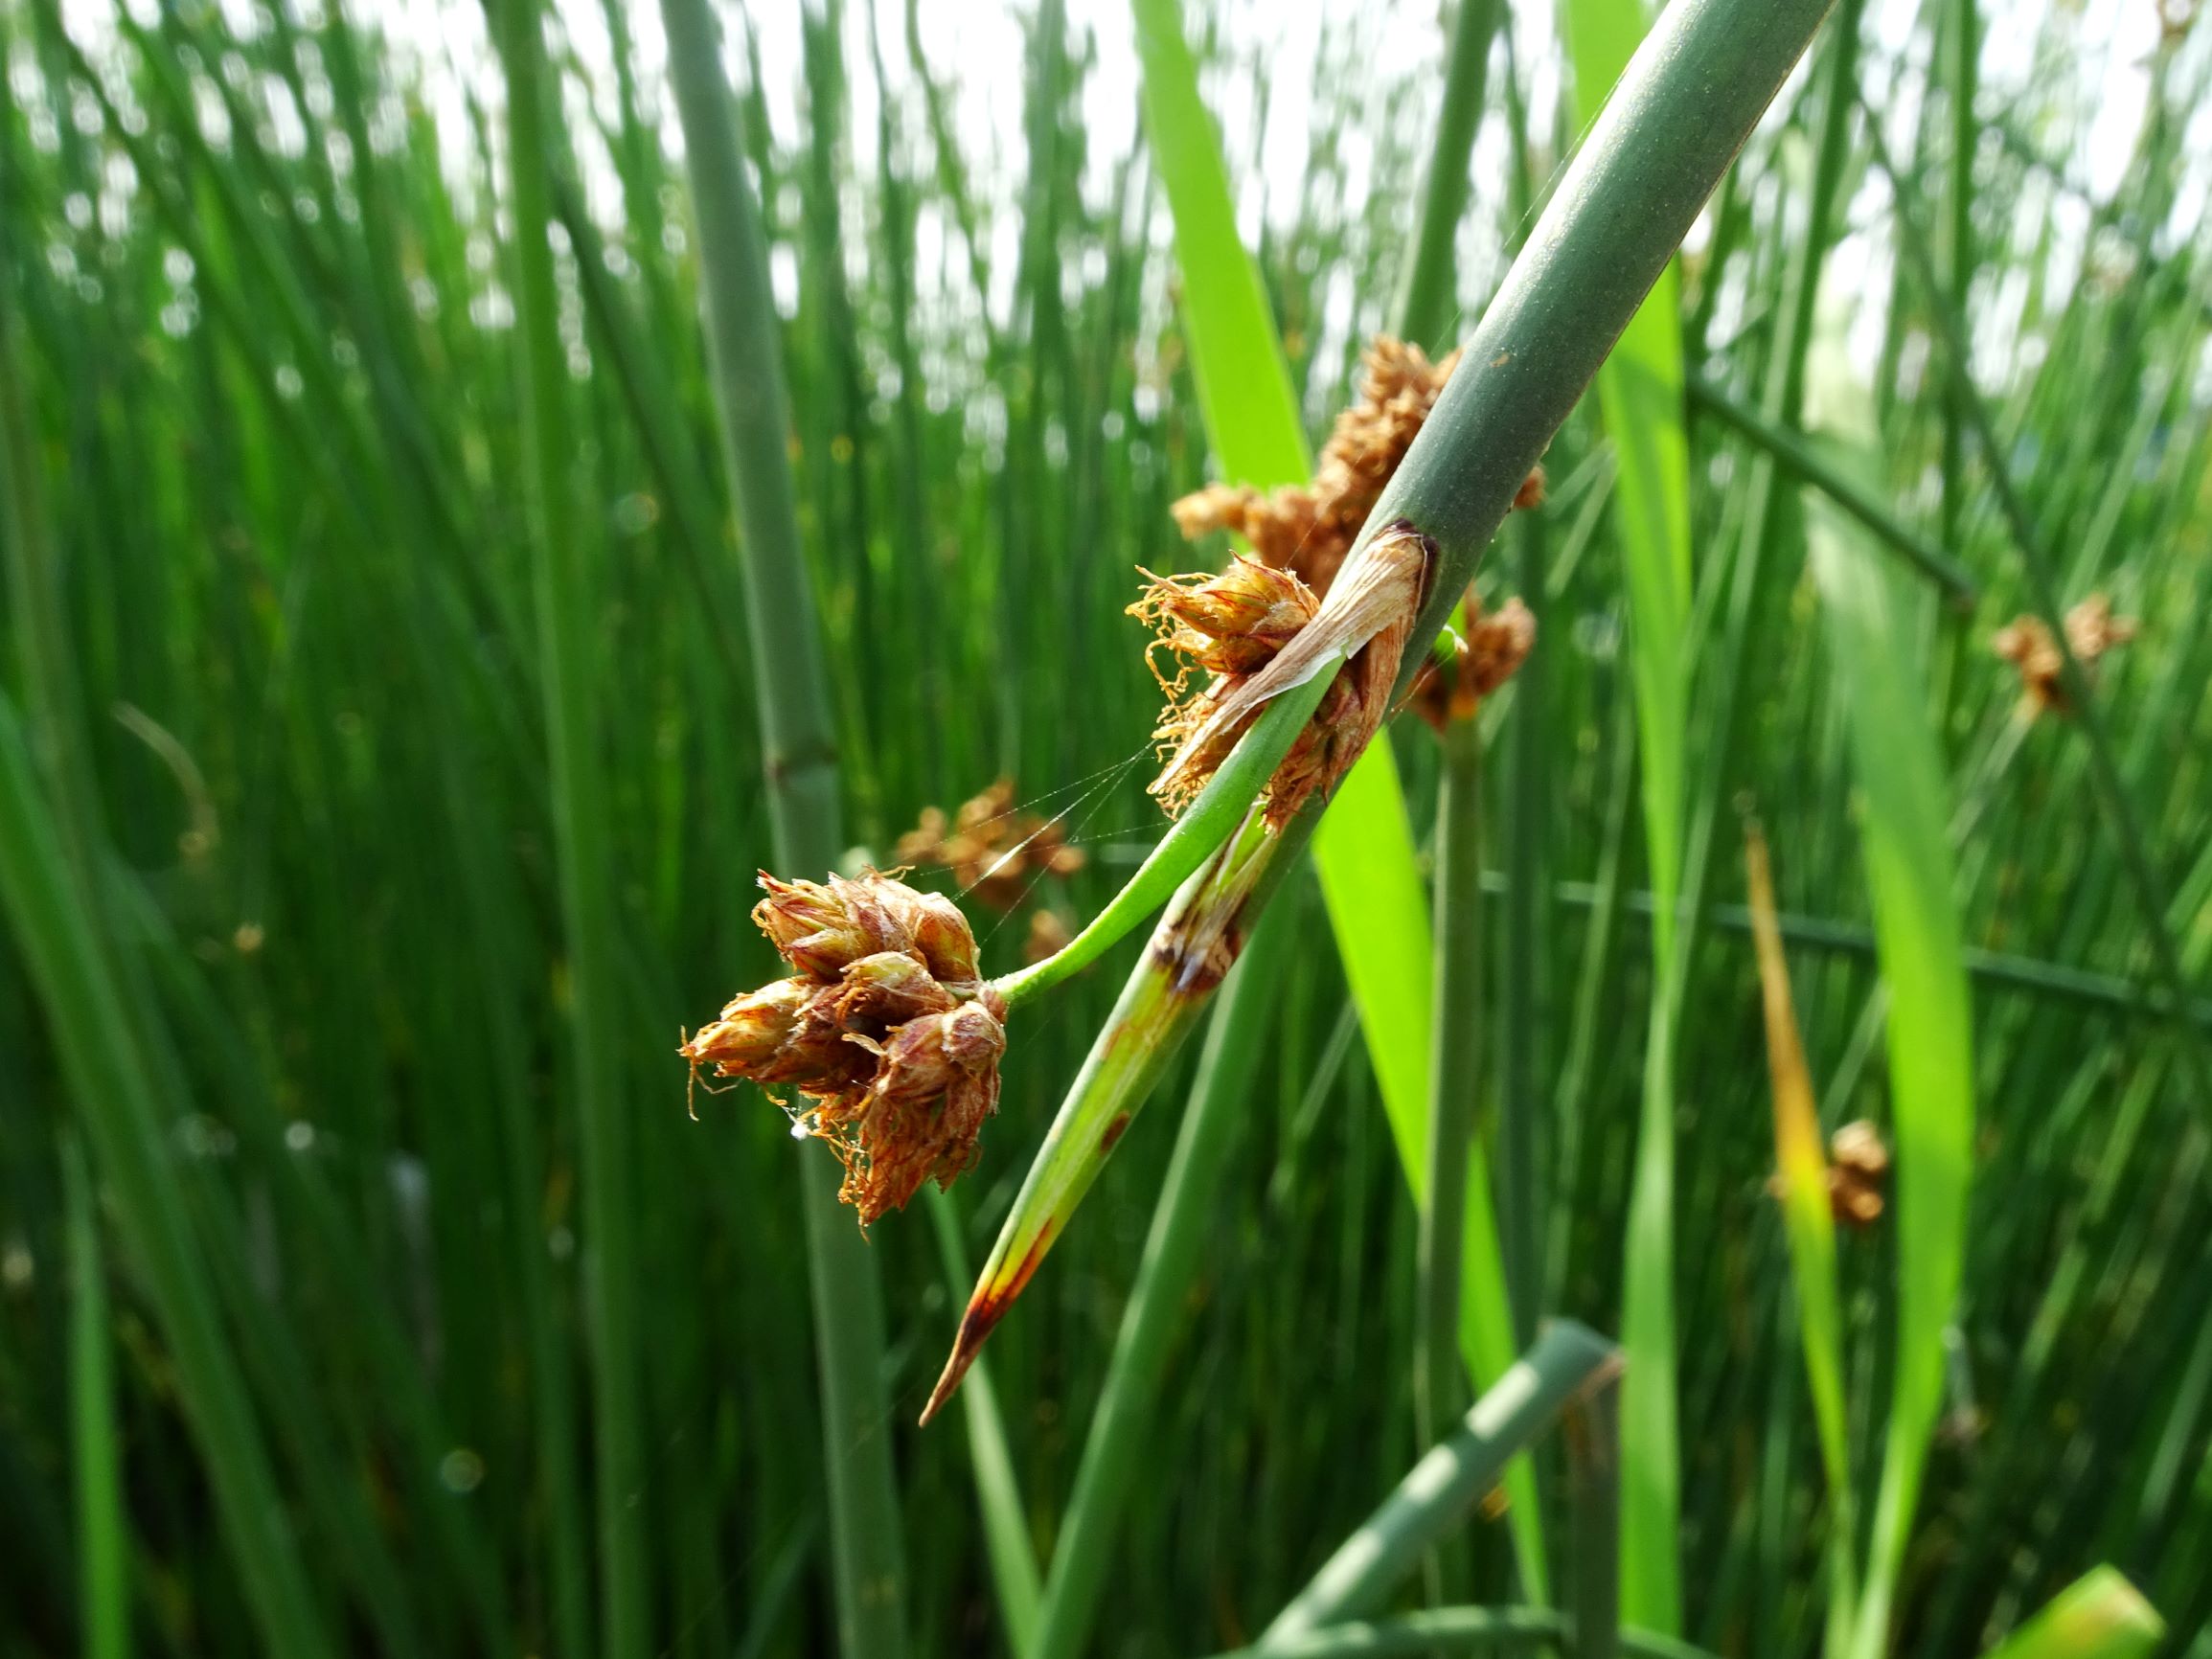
(1204, 826)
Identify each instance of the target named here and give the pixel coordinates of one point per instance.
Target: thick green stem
(799, 764)
(1112, 1454)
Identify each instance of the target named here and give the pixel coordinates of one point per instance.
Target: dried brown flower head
(1308, 529)
(883, 1028)
(993, 849)
(1369, 612)
(1486, 654)
(2026, 643)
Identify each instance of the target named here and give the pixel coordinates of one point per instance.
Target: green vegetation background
(272, 658)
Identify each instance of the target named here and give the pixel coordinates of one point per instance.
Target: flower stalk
(1680, 113)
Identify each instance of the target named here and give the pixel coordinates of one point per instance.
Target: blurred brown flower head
(2026, 643)
(1308, 529)
(994, 850)
(1858, 1170)
(1488, 652)
(884, 1030)
(1858, 1174)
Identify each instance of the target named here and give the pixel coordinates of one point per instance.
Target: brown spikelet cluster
(2026, 643)
(1857, 1175)
(993, 851)
(1255, 631)
(884, 1027)
(1308, 529)
(1486, 654)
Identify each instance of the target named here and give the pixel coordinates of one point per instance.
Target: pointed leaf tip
(994, 1293)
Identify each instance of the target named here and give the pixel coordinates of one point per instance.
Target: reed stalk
(800, 779)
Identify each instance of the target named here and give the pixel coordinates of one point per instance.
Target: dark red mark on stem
(1113, 1133)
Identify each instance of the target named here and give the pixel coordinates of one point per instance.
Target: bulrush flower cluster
(1255, 631)
(1309, 529)
(1486, 654)
(992, 850)
(2026, 643)
(884, 1027)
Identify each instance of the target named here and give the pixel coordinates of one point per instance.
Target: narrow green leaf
(1640, 399)
(103, 1589)
(1907, 846)
(2099, 1616)
(1566, 1359)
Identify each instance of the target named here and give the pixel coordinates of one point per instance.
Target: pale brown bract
(1357, 632)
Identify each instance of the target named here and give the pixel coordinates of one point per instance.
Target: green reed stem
(108, 1073)
(1565, 1359)
(1113, 1452)
(102, 1542)
(799, 759)
(1426, 307)
(567, 605)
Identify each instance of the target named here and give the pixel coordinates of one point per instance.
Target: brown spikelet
(1308, 529)
(883, 1028)
(2026, 642)
(1489, 653)
(1858, 1174)
(1858, 1170)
